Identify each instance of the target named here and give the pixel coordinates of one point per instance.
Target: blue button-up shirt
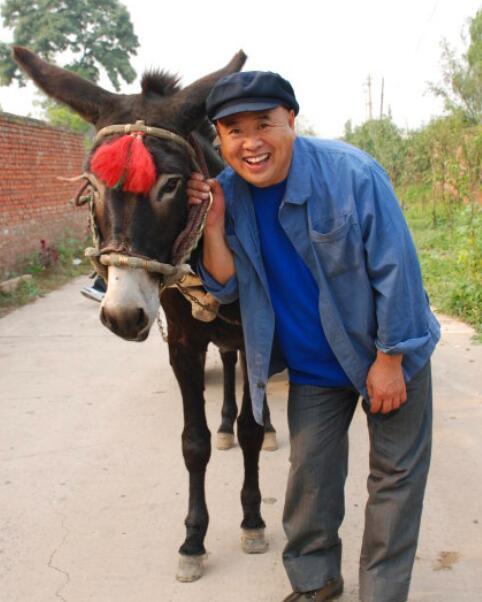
(342, 217)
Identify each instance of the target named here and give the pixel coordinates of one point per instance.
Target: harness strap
(189, 237)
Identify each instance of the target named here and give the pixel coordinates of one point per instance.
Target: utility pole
(381, 98)
(370, 110)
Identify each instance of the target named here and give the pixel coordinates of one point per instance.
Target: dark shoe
(331, 590)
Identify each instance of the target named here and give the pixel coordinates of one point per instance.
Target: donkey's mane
(163, 83)
(160, 82)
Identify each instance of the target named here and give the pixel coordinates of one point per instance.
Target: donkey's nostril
(108, 320)
(141, 319)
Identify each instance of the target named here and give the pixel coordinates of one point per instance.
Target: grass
(46, 279)
(449, 244)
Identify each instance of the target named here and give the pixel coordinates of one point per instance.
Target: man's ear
(217, 140)
(218, 132)
(291, 118)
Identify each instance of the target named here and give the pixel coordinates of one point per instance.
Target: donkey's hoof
(270, 442)
(190, 568)
(253, 541)
(224, 440)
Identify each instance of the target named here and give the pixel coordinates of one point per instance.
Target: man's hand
(198, 191)
(385, 384)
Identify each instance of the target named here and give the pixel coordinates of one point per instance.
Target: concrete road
(94, 490)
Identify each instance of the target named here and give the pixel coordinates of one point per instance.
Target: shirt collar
(298, 187)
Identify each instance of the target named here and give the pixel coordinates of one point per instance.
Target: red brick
(34, 205)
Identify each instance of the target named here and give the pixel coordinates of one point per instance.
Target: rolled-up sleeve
(224, 293)
(402, 308)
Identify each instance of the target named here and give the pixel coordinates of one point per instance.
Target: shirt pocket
(337, 244)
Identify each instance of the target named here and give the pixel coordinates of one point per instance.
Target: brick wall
(34, 205)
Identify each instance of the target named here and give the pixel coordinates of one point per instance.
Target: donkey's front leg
(188, 365)
(250, 436)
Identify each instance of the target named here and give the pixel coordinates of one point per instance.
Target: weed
(450, 253)
(45, 279)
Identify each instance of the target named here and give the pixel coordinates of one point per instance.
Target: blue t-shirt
(294, 297)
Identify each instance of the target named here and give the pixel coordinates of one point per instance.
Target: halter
(178, 269)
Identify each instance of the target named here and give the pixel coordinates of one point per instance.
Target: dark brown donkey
(139, 217)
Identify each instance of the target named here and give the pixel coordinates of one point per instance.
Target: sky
(327, 50)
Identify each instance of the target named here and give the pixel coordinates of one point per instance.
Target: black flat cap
(249, 91)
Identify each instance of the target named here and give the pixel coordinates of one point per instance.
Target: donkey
(139, 207)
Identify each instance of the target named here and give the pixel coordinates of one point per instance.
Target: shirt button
(261, 385)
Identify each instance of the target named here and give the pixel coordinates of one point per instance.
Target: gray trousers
(400, 444)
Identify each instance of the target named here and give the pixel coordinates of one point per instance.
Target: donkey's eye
(166, 187)
(169, 186)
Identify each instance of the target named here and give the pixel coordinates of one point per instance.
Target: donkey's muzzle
(129, 323)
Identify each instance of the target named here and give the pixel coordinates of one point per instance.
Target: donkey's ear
(81, 95)
(190, 102)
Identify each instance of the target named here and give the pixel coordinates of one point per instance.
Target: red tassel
(109, 162)
(127, 158)
(141, 174)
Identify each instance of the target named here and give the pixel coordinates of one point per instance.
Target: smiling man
(267, 159)
(310, 238)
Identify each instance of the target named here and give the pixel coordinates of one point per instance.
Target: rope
(190, 236)
(208, 306)
(172, 274)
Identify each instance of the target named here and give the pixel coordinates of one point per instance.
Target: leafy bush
(383, 140)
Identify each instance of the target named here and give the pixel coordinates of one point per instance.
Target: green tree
(383, 140)
(462, 76)
(61, 116)
(96, 33)
(85, 35)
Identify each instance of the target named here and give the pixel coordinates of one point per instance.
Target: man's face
(258, 145)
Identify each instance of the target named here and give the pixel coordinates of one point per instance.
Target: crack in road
(50, 563)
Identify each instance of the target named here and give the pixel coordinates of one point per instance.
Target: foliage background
(437, 173)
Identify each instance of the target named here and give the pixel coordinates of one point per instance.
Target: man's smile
(257, 159)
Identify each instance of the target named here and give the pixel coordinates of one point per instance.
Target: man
(309, 236)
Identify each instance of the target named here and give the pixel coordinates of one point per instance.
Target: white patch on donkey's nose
(130, 293)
